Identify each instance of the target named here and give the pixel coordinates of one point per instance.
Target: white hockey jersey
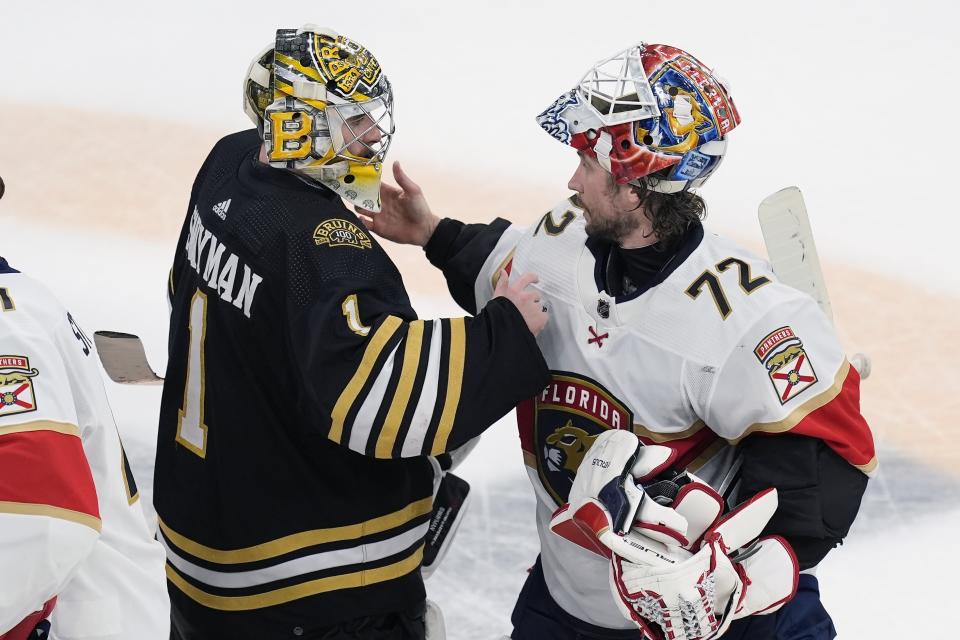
(70, 520)
(717, 342)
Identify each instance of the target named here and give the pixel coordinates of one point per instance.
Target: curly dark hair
(671, 214)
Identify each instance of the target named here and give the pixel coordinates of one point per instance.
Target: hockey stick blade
(793, 253)
(790, 245)
(124, 358)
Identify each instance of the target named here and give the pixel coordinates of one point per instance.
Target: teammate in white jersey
(659, 328)
(73, 539)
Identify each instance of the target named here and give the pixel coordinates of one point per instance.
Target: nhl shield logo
(16, 385)
(569, 415)
(790, 369)
(603, 308)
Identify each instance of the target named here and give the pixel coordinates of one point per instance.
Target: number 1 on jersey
(351, 310)
(191, 431)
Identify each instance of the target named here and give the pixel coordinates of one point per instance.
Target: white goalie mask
(649, 110)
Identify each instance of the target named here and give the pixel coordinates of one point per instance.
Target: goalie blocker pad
(449, 505)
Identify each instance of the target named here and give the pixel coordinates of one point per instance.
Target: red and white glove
(698, 598)
(674, 567)
(606, 504)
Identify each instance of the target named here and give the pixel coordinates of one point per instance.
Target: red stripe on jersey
(840, 424)
(48, 468)
(24, 629)
(688, 448)
(526, 418)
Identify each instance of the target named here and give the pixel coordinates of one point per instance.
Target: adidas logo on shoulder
(221, 208)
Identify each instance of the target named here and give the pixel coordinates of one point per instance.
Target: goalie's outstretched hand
(404, 216)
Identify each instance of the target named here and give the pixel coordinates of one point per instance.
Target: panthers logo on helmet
(16, 385)
(569, 415)
(648, 109)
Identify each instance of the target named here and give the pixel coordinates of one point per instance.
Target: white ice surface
(891, 579)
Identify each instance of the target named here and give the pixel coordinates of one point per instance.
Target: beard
(610, 229)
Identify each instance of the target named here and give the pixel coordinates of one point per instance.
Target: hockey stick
(124, 358)
(793, 253)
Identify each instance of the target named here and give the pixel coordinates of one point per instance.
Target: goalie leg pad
(433, 622)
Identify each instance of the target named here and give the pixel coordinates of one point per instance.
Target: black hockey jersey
(301, 401)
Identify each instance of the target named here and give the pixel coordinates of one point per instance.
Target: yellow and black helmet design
(325, 110)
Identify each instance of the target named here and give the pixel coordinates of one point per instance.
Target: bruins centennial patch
(341, 233)
(790, 369)
(16, 385)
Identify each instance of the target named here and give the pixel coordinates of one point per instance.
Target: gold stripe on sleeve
(297, 541)
(374, 346)
(495, 278)
(802, 411)
(60, 513)
(707, 455)
(297, 591)
(454, 385)
(401, 397)
(660, 438)
(41, 425)
(870, 467)
(529, 459)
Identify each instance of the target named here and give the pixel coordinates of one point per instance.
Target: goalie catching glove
(605, 503)
(678, 567)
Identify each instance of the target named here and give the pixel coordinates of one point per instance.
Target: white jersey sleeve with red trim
(49, 513)
(788, 373)
(500, 258)
(63, 470)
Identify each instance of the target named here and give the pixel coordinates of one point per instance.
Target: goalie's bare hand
(404, 216)
(525, 298)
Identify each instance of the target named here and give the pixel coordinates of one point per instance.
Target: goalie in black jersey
(303, 398)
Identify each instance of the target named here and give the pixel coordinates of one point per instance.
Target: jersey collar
(254, 170)
(601, 250)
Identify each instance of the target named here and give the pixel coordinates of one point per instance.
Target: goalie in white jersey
(73, 539)
(676, 335)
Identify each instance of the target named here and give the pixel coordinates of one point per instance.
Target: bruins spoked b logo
(341, 233)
